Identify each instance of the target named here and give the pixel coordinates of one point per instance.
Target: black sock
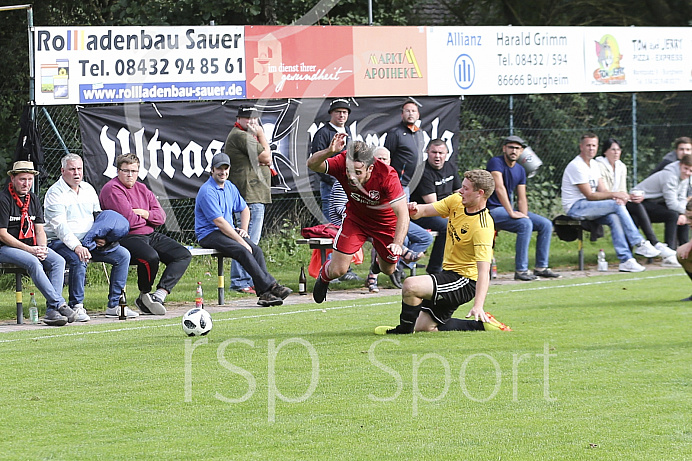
(461, 325)
(408, 317)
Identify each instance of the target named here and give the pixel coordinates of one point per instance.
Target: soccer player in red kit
(376, 208)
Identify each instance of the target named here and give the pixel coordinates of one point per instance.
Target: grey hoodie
(666, 184)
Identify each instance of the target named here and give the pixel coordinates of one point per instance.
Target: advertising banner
(87, 65)
(299, 61)
(390, 61)
(176, 141)
(505, 60)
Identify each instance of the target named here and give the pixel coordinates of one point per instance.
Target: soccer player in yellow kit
(428, 301)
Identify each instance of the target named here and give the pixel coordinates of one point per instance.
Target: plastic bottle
(602, 263)
(33, 310)
(302, 282)
(199, 299)
(122, 303)
(493, 269)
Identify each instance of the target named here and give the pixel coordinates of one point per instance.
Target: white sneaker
(666, 252)
(82, 315)
(115, 312)
(646, 249)
(671, 261)
(631, 265)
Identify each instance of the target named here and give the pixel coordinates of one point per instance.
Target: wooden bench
(573, 229)
(6, 268)
(19, 272)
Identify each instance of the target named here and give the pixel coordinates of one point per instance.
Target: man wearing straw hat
(23, 242)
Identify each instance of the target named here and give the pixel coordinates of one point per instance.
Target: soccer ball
(197, 322)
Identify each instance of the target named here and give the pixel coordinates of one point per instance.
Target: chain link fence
(645, 124)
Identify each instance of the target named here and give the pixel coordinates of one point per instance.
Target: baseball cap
(340, 104)
(219, 160)
(515, 139)
(247, 111)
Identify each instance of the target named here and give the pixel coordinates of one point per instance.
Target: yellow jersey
(469, 236)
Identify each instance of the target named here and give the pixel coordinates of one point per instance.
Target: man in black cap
(511, 216)
(217, 202)
(339, 110)
(248, 149)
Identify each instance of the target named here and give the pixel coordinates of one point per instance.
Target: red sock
(323, 272)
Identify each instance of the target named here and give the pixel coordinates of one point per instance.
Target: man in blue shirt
(216, 202)
(510, 177)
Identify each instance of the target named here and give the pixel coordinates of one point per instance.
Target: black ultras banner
(176, 141)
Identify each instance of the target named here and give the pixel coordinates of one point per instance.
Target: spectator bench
(569, 229)
(324, 244)
(20, 272)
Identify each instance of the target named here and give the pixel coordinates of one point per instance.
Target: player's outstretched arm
(477, 312)
(317, 161)
(417, 210)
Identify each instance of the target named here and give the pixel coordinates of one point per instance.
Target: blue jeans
(239, 276)
(325, 194)
(417, 240)
(439, 224)
(523, 228)
(622, 229)
(47, 275)
(119, 258)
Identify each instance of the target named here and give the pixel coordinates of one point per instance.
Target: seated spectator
(582, 198)
(147, 247)
(681, 146)
(665, 198)
(70, 205)
(614, 175)
(23, 242)
(440, 180)
(510, 177)
(217, 200)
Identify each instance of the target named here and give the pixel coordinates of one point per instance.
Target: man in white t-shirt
(583, 199)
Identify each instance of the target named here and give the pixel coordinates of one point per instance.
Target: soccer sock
(160, 293)
(461, 325)
(323, 272)
(408, 317)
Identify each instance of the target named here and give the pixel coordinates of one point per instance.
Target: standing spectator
(681, 146)
(70, 205)
(217, 202)
(147, 247)
(376, 208)
(440, 180)
(23, 242)
(428, 301)
(584, 198)
(339, 110)
(665, 197)
(249, 151)
(406, 143)
(510, 178)
(614, 175)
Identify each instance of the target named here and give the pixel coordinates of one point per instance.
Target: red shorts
(351, 237)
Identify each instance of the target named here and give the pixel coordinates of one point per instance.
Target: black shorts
(450, 290)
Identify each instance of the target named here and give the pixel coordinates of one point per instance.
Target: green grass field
(597, 368)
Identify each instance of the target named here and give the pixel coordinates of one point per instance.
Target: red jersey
(369, 207)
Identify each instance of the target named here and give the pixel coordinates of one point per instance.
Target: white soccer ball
(197, 322)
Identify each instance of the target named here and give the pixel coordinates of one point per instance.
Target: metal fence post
(634, 139)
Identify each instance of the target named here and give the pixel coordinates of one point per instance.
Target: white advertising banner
(525, 60)
(638, 59)
(131, 64)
